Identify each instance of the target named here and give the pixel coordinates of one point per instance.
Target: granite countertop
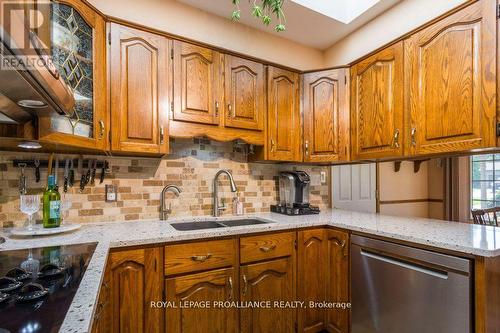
(459, 237)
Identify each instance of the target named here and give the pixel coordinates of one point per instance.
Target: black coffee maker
(294, 194)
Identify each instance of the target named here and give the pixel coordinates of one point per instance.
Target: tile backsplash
(191, 165)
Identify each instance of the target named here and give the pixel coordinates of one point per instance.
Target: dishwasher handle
(405, 264)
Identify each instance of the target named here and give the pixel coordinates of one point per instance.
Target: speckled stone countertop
(460, 237)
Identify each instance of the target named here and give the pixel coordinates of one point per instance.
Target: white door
(354, 187)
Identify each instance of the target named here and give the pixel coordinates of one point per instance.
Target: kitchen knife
(37, 170)
(71, 179)
(92, 175)
(66, 175)
(82, 173)
(103, 172)
(56, 171)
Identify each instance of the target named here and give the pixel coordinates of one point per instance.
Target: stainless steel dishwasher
(401, 289)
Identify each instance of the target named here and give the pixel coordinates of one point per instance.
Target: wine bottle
(51, 205)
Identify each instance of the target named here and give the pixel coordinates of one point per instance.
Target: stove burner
(8, 284)
(18, 274)
(31, 292)
(50, 271)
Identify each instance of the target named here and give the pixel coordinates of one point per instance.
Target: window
(485, 181)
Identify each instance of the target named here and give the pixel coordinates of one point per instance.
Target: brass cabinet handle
(230, 109)
(201, 258)
(216, 108)
(245, 285)
(414, 137)
(101, 129)
(307, 147)
(340, 243)
(273, 145)
(161, 135)
(267, 248)
(396, 138)
(230, 284)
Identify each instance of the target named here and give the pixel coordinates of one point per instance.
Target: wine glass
(30, 204)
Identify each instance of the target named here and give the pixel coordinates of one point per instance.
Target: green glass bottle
(51, 205)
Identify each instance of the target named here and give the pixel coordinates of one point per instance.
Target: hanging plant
(263, 10)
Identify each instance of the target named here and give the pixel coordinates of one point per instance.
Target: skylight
(344, 11)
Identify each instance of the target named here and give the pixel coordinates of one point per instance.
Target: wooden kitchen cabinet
(268, 281)
(377, 105)
(85, 74)
(311, 278)
(337, 280)
(212, 286)
(136, 279)
(197, 75)
(284, 134)
(139, 91)
(326, 116)
(102, 316)
(244, 93)
(450, 70)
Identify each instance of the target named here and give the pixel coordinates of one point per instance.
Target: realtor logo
(25, 31)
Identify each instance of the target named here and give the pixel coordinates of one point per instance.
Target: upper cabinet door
(450, 68)
(245, 94)
(139, 91)
(377, 105)
(197, 80)
(284, 125)
(77, 42)
(326, 116)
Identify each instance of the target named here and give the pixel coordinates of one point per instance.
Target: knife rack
(45, 163)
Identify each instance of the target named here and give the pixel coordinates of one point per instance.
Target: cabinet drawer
(262, 247)
(191, 257)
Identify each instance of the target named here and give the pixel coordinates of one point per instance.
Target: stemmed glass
(30, 204)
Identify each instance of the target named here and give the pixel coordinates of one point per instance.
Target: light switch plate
(111, 193)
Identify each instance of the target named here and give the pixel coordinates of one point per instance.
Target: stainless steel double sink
(189, 226)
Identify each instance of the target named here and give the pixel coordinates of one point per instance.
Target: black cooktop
(38, 285)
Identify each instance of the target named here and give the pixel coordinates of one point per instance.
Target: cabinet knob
(306, 144)
(102, 128)
(216, 109)
(267, 248)
(396, 138)
(414, 136)
(231, 113)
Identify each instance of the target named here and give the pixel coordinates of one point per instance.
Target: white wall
(397, 21)
(186, 21)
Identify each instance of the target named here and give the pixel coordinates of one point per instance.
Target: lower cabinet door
(135, 281)
(311, 282)
(337, 277)
(188, 294)
(267, 281)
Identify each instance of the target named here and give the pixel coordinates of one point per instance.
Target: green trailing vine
(263, 10)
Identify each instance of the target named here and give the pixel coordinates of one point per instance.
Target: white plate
(39, 230)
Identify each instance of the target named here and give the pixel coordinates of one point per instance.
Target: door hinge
(498, 11)
(109, 38)
(498, 128)
(109, 136)
(172, 53)
(171, 110)
(345, 79)
(295, 244)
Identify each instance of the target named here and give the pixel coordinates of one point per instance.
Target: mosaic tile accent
(72, 54)
(191, 165)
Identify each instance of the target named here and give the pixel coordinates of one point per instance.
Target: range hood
(33, 90)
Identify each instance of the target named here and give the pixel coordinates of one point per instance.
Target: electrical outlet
(111, 193)
(322, 177)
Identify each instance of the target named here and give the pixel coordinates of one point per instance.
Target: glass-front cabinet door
(78, 47)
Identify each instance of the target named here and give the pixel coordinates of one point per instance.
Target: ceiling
(308, 22)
